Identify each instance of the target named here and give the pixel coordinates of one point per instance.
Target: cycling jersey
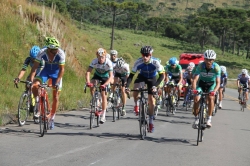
(123, 71)
(28, 61)
(175, 72)
(208, 75)
(162, 82)
(148, 70)
(243, 80)
(223, 79)
(51, 67)
(207, 78)
(102, 70)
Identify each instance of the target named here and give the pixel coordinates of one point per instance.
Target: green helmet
(167, 63)
(52, 43)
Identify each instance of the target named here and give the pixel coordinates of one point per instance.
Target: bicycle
(242, 101)
(43, 107)
(188, 98)
(95, 106)
(25, 104)
(171, 101)
(201, 115)
(143, 111)
(216, 103)
(116, 101)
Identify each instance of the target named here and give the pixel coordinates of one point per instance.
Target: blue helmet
(173, 61)
(34, 51)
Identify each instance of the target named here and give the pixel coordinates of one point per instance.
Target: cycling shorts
(204, 86)
(44, 76)
(123, 78)
(149, 81)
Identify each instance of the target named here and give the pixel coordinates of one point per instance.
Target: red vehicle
(185, 59)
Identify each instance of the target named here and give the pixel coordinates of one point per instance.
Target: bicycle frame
(243, 98)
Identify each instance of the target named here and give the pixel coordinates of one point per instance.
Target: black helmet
(146, 50)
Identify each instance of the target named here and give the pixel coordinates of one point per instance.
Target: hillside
(20, 30)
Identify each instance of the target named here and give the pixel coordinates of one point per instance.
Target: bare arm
(33, 70)
(217, 84)
(61, 72)
(195, 81)
(87, 75)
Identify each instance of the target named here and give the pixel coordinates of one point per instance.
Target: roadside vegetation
(25, 24)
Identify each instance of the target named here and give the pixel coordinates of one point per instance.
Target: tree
(115, 9)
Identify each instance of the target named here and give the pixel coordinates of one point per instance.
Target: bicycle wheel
(142, 121)
(23, 108)
(200, 133)
(168, 106)
(46, 113)
(92, 113)
(42, 119)
(216, 101)
(114, 108)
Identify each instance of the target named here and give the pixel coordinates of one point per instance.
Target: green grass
(17, 37)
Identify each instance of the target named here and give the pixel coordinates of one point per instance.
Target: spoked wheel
(42, 122)
(93, 108)
(201, 122)
(114, 114)
(142, 121)
(23, 109)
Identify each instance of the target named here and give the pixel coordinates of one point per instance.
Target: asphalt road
(118, 143)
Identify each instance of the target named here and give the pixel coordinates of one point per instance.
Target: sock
(151, 119)
(209, 118)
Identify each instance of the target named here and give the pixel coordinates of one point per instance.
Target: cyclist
(30, 61)
(104, 73)
(54, 59)
(243, 80)
(223, 83)
(187, 76)
(122, 71)
(148, 68)
(207, 78)
(175, 70)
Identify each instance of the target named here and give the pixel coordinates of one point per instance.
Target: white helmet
(191, 64)
(244, 71)
(190, 68)
(113, 52)
(108, 56)
(209, 54)
(223, 69)
(120, 62)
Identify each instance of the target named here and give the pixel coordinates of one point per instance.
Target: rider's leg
(220, 96)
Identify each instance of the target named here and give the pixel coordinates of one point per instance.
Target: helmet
(34, 51)
(113, 52)
(120, 62)
(244, 71)
(52, 43)
(173, 61)
(209, 54)
(191, 64)
(190, 68)
(223, 69)
(147, 50)
(108, 55)
(101, 52)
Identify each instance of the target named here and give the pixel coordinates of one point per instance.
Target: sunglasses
(146, 55)
(173, 65)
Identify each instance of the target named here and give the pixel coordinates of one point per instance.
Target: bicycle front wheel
(142, 121)
(92, 113)
(23, 108)
(200, 125)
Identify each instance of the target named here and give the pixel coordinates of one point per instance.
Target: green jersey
(174, 72)
(208, 75)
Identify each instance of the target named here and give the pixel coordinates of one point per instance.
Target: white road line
(67, 153)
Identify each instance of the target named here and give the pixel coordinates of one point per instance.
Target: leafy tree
(174, 30)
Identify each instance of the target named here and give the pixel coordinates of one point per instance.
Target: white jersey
(243, 80)
(102, 70)
(124, 70)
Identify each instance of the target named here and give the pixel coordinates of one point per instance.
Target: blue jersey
(28, 62)
(51, 67)
(148, 70)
